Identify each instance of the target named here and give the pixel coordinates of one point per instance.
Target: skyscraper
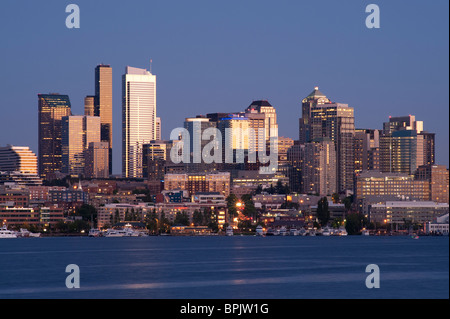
(89, 105)
(319, 168)
(138, 118)
(336, 122)
(398, 152)
(52, 107)
(314, 99)
(158, 128)
(404, 145)
(366, 150)
(96, 160)
(103, 104)
(78, 132)
(270, 121)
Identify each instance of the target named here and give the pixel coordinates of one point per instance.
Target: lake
(218, 267)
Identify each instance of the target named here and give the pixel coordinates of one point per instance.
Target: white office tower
(138, 118)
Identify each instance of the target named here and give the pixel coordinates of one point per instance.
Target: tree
(335, 198)
(354, 223)
(87, 212)
(181, 219)
(249, 206)
(348, 201)
(231, 205)
(323, 214)
(197, 218)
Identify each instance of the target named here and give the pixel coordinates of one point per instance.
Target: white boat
(293, 232)
(26, 233)
(272, 232)
(365, 232)
(5, 233)
(229, 231)
(259, 230)
(302, 232)
(326, 232)
(94, 232)
(117, 233)
(312, 232)
(342, 231)
(283, 231)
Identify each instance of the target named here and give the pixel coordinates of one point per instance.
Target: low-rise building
(400, 212)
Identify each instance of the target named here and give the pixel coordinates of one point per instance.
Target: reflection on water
(224, 267)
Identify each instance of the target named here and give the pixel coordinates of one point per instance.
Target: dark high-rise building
(404, 146)
(51, 109)
(366, 150)
(336, 122)
(398, 152)
(103, 104)
(314, 99)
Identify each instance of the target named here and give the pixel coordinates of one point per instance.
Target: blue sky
(218, 56)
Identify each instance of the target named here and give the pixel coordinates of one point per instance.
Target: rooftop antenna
(151, 65)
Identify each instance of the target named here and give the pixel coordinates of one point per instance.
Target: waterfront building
(41, 216)
(138, 118)
(52, 108)
(375, 183)
(438, 226)
(401, 212)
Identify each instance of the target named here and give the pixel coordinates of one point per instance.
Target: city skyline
(376, 82)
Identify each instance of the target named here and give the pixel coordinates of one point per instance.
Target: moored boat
(6, 233)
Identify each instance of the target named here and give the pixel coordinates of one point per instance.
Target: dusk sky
(219, 56)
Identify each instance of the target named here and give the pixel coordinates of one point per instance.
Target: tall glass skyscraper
(103, 104)
(52, 107)
(138, 118)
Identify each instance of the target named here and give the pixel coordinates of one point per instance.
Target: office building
(103, 105)
(336, 122)
(199, 182)
(402, 212)
(270, 120)
(314, 99)
(319, 170)
(78, 132)
(366, 150)
(437, 178)
(89, 105)
(18, 159)
(158, 129)
(52, 108)
(97, 160)
(398, 152)
(138, 118)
